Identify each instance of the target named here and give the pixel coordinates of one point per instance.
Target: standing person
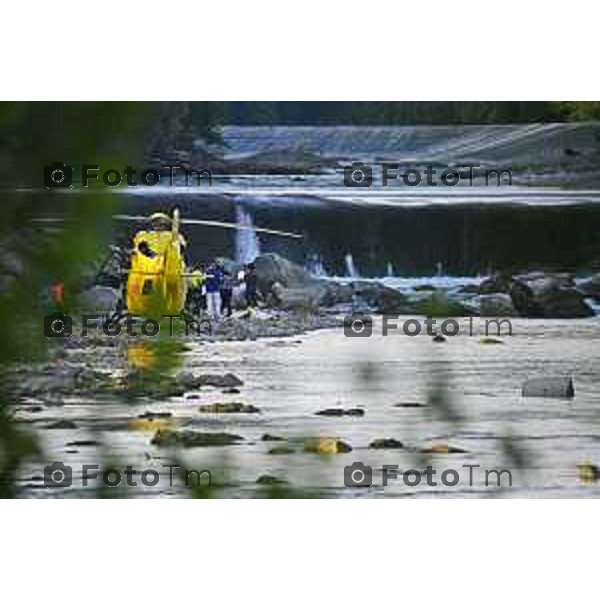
(214, 275)
(196, 287)
(226, 293)
(251, 280)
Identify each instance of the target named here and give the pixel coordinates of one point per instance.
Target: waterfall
(351, 270)
(315, 266)
(247, 247)
(390, 270)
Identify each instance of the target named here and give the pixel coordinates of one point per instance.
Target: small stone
(443, 448)
(82, 443)
(410, 405)
(588, 472)
(191, 439)
(281, 450)
(230, 391)
(385, 443)
(267, 437)
(438, 337)
(340, 412)
(228, 407)
(326, 446)
(490, 340)
(270, 480)
(155, 415)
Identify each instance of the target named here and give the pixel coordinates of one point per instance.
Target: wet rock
(497, 284)
(82, 443)
(409, 405)
(193, 439)
(562, 303)
(228, 407)
(326, 446)
(189, 381)
(385, 443)
(487, 340)
(443, 448)
(155, 415)
(549, 387)
(523, 300)
(496, 305)
(588, 472)
(380, 298)
(62, 424)
(267, 437)
(279, 450)
(270, 480)
(230, 391)
(438, 337)
(341, 412)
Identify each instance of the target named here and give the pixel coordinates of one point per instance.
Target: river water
(290, 380)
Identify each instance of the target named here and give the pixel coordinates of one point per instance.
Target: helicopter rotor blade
(215, 224)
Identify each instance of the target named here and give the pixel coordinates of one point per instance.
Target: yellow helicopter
(156, 278)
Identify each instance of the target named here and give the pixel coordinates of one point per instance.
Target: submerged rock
(385, 443)
(282, 450)
(270, 480)
(341, 412)
(267, 437)
(192, 439)
(228, 407)
(62, 424)
(191, 381)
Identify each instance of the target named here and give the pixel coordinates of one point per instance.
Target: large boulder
(288, 285)
(563, 303)
(497, 284)
(524, 301)
(380, 298)
(271, 268)
(496, 305)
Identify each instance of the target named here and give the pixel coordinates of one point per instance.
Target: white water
(351, 270)
(247, 246)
